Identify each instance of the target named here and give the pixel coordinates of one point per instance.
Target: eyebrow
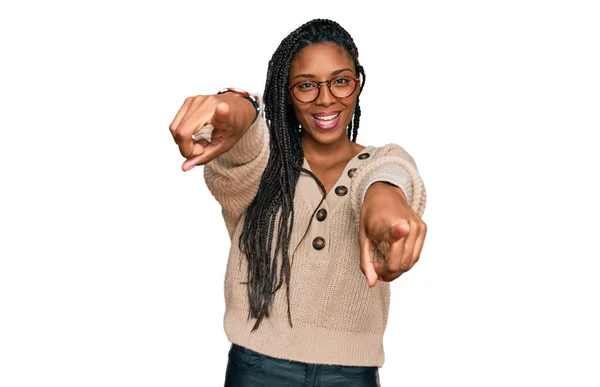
(336, 72)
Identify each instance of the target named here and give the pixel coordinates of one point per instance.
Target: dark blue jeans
(247, 368)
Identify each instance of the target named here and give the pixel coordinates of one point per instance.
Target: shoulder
(391, 149)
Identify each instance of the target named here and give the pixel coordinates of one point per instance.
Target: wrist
(385, 187)
(255, 106)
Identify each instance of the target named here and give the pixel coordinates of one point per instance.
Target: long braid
(275, 196)
(352, 130)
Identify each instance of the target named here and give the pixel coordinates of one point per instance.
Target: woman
(310, 213)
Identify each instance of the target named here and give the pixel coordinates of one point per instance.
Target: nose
(325, 98)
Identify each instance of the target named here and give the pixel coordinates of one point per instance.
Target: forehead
(320, 59)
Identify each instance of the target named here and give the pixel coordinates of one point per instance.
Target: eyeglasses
(308, 91)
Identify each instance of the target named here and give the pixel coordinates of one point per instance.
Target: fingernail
(380, 278)
(190, 168)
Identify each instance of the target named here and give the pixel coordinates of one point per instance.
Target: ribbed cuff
(389, 173)
(249, 146)
(392, 169)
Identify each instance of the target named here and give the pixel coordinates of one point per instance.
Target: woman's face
(326, 118)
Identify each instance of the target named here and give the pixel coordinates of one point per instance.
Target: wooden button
(318, 243)
(351, 172)
(363, 156)
(341, 190)
(321, 214)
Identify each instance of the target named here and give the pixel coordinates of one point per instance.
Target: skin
(231, 116)
(327, 152)
(385, 214)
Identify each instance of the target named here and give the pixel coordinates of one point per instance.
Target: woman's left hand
(386, 217)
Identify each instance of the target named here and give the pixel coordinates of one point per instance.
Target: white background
(112, 259)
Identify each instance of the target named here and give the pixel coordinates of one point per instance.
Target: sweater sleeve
(233, 177)
(395, 166)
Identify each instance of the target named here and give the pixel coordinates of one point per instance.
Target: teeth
(327, 118)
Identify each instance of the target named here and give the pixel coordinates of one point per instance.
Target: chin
(325, 136)
(330, 137)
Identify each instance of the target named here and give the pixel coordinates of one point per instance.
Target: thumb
(396, 232)
(221, 115)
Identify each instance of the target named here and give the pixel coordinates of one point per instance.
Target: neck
(328, 154)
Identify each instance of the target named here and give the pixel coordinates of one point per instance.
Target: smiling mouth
(327, 122)
(327, 118)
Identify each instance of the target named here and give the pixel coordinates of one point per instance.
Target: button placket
(319, 233)
(342, 188)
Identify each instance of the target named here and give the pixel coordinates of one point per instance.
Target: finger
(180, 114)
(220, 141)
(409, 248)
(393, 256)
(367, 257)
(211, 151)
(221, 115)
(419, 242)
(382, 271)
(195, 118)
(194, 159)
(398, 231)
(392, 234)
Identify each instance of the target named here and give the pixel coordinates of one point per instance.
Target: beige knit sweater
(337, 318)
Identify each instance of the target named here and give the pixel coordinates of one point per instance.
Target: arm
(233, 178)
(388, 198)
(396, 167)
(236, 154)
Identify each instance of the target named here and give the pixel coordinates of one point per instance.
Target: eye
(341, 81)
(305, 85)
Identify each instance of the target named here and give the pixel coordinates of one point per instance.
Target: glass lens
(342, 87)
(306, 91)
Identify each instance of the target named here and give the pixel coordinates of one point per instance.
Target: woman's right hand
(229, 113)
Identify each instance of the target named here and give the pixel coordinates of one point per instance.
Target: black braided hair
(278, 184)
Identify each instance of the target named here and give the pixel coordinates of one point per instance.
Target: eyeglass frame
(328, 82)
